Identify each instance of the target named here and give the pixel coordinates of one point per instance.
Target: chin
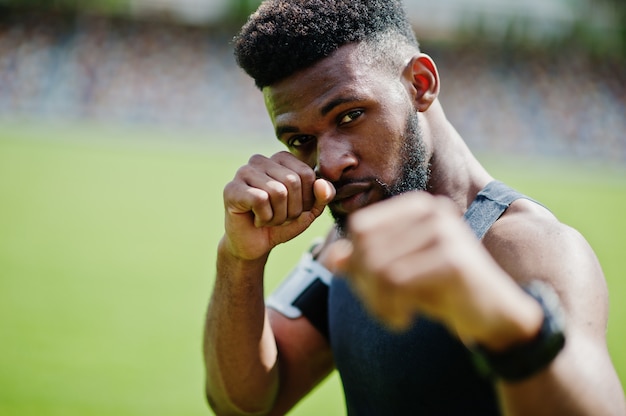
(341, 223)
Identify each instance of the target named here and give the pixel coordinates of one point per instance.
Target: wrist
(517, 325)
(523, 359)
(237, 265)
(231, 251)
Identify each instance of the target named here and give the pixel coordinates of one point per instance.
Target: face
(355, 126)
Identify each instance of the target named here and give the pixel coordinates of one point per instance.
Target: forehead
(344, 75)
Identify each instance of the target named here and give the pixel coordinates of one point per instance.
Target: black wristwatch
(522, 361)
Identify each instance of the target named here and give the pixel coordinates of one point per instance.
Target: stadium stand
(116, 70)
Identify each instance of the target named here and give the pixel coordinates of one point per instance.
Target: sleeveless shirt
(422, 371)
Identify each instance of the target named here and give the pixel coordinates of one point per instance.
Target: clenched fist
(270, 201)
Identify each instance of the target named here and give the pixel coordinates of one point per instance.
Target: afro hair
(284, 36)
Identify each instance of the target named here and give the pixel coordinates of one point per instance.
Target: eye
(350, 116)
(298, 141)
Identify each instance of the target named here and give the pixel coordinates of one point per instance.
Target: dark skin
(347, 120)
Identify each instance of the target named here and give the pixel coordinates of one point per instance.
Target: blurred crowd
(120, 71)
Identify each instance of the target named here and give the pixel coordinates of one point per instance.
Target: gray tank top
(423, 371)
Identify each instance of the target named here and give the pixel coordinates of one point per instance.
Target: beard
(414, 171)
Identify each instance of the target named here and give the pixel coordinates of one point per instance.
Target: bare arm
(269, 202)
(582, 379)
(414, 254)
(268, 360)
(239, 348)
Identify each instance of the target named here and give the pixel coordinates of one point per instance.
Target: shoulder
(528, 237)
(530, 243)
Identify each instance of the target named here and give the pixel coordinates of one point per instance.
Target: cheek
(386, 136)
(390, 145)
(385, 157)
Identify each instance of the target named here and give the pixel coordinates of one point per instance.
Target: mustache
(384, 186)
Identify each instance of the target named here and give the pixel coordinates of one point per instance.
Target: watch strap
(523, 360)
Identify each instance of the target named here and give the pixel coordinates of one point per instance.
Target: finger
(383, 301)
(380, 232)
(382, 298)
(282, 184)
(269, 198)
(338, 257)
(240, 198)
(300, 185)
(324, 192)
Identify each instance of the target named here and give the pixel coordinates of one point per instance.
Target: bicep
(297, 311)
(560, 256)
(304, 355)
(535, 246)
(580, 282)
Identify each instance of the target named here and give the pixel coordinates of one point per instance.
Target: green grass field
(107, 250)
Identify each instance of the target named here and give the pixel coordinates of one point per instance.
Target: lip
(350, 197)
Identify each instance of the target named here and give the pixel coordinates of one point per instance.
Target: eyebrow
(280, 130)
(336, 102)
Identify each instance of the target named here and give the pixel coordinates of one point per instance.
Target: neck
(456, 173)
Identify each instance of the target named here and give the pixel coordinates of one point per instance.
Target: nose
(334, 158)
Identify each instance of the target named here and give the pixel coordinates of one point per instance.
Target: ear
(421, 72)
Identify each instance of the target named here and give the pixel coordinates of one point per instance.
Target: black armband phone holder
(304, 293)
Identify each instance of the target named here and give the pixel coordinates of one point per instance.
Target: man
(451, 293)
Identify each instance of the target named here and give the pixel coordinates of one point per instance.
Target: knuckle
(244, 172)
(307, 175)
(233, 192)
(258, 198)
(228, 189)
(278, 190)
(281, 155)
(256, 159)
(292, 181)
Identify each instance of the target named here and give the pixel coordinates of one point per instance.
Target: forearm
(239, 348)
(580, 381)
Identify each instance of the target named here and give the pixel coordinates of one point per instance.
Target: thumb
(324, 192)
(338, 256)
